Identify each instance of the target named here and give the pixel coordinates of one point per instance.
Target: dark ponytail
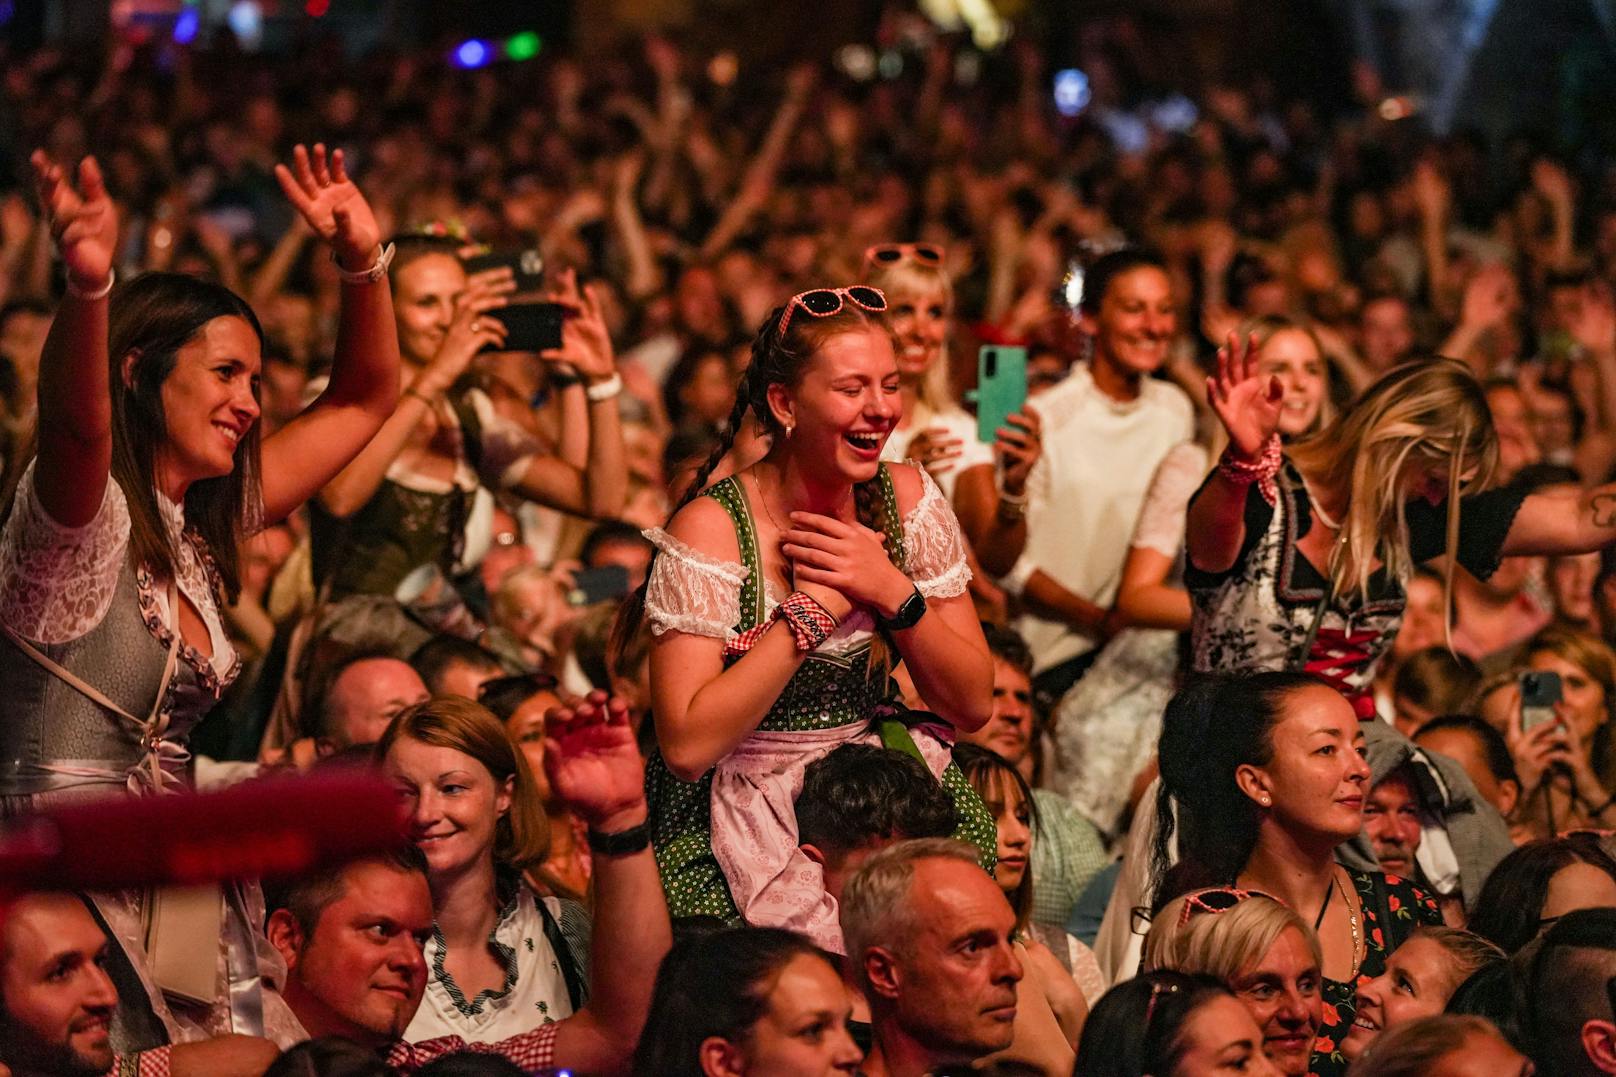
(1215, 724)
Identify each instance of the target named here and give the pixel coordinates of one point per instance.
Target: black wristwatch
(908, 615)
(622, 843)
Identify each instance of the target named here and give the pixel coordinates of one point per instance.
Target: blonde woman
(1262, 950)
(1298, 556)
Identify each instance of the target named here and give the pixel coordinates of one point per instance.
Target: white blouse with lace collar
(57, 583)
(694, 593)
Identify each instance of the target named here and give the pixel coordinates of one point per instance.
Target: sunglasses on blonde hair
(887, 254)
(823, 302)
(1216, 900)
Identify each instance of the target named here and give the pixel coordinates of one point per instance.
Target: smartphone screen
(592, 585)
(1001, 388)
(530, 327)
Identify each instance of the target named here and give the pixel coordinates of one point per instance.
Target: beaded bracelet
(1260, 471)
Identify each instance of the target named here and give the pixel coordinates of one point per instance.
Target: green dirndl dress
(827, 691)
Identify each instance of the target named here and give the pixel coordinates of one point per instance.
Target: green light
(523, 46)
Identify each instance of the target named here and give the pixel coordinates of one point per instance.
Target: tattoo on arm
(1604, 509)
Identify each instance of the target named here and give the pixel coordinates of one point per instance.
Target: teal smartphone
(1001, 388)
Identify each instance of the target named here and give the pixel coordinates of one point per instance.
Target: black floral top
(1392, 908)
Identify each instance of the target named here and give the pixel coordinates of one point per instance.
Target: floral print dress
(1392, 908)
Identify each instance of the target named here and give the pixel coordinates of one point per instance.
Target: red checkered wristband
(811, 624)
(1260, 471)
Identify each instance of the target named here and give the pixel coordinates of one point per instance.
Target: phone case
(1001, 388)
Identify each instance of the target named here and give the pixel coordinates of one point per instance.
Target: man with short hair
(1571, 996)
(929, 943)
(367, 693)
(451, 666)
(58, 1003)
(861, 798)
(1391, 818)
(352, 937)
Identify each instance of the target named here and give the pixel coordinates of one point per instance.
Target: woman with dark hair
(747, 1002)
(1169, 1024)
(778, 599)
(121, 546)
(1263, 777)
(1538, 883)
(1008, 796)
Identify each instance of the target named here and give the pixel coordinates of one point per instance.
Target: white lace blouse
(57, 583)
(692, 592)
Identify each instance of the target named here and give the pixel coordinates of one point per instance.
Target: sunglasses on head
(823, 302)
(1216, 900)
(886, 254)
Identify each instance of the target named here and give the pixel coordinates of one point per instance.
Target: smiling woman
(120, 544)
(777, 601)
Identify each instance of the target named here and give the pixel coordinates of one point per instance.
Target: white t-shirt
(959, 425)
(1085, 494)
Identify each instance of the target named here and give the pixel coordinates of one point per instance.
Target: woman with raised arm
(1298, 556)
(406, 501)
(777, 600)
(120, 547)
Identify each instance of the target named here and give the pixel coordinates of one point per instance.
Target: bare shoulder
(908, 485)
(705, 526)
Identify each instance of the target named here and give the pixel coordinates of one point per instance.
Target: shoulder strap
(892, 519)
(471, 426)
(732, 497)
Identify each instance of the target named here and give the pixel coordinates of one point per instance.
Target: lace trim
(207, 674)
(935, 546)
(56, 582)
(691, 592)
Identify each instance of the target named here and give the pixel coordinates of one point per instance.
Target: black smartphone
(1540, 691)
(527, 266)
(592, 585)
(530, 327)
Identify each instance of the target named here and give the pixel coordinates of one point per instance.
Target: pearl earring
(1265, 801)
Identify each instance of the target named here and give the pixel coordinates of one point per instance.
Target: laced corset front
(704, 596)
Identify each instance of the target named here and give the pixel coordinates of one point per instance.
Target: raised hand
(586, 343)
(593, 763)
(848, 558)
(1594, 324)
(332, 205)
(82, 221)
(1489, 297)
(1246, 402)
(468, 334)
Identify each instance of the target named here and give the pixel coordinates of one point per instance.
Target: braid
(631, 615)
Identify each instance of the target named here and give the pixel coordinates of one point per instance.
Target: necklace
(763, 496)
(1352, 919)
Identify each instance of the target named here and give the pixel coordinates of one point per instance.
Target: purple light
(472, 54)
(186, 26)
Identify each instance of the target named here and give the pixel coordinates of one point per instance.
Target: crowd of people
(1245, 702)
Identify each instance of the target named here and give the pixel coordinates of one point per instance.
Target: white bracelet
(604, 390)
(377, 270)
(1018, 500)
(100, 293)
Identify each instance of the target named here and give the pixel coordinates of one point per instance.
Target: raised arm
(1563, 520)
(468, 334)
(992, 507)
(598, 490)
(311, 449)
(595, 768)
(1248, 406)
(75, 403)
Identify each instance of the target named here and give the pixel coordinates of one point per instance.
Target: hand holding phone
(1001, 388)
